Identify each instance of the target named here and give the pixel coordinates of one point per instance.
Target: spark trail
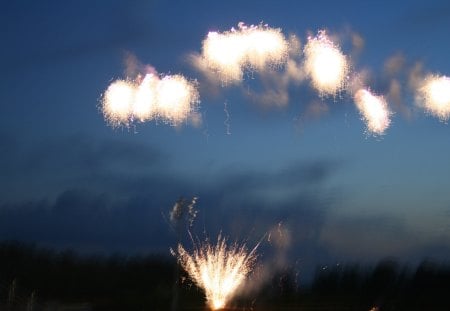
(218, 269)
(232, 52)
(227, 118)
(374, 111)
(434, 96)
(171, 99)
(325, 64)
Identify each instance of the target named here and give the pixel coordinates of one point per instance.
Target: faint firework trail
(325, 64)
(434, 96)
(230, 53)
(374, 111)
(172, 99)
(227, 118)
(218, 269)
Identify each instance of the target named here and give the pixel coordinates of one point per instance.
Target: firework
(434, 96)
(374, 110)
(175, 96)
(171, 99)
(218, 269)
(144, 103)
(325, 64)
(255, 47)
(117, 102)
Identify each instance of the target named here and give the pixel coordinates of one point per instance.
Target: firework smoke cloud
(172, 99)
(326, 65)
(434, 96)
(230, 53)
(374, 111)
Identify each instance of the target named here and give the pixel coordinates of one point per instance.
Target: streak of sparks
(171, 99)
(434, 95)
(374, 111)
(227, 118)
(325, 64)
(230, 53)
(218, 269)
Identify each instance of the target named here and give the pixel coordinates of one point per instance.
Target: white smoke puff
(394, 96)
(394, 64)
(294, 46)
(277, 82)
(230, 53)
(374, 111)
(326, 65)
(176, 99)
(357, 43)
(117, 102)
(196, 119)
(434, 96)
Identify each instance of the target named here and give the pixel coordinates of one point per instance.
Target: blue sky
(69, 180)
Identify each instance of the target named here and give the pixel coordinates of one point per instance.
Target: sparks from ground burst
(171, 99)
(230, 53)
(218, 269)
(434, 96)
(374, 111)
(326, 65)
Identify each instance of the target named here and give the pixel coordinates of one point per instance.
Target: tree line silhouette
(35, 279)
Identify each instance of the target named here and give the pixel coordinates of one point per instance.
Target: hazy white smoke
(171, 99)
(374, 111)
(230, 53)
(434, 96)
(326, 65)
(276, 83)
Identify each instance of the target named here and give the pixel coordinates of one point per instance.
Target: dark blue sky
(69, 180)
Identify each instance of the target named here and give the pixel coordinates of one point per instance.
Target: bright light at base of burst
(434, 95)
(217, 269)
(254, 47)
(374, 111)
(171, 99)
(326, 64)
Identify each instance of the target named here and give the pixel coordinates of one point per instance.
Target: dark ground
(35, 279)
